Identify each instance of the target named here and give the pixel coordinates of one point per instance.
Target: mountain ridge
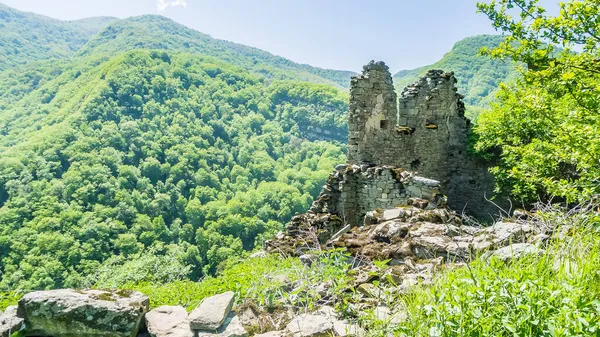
(478, 76)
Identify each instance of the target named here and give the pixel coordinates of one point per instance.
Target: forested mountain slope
(158, 32)
(478, 76)
(26, 37)
(182, 158)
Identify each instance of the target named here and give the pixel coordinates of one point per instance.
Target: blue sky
(338, 34)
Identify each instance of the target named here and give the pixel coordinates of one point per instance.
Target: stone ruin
(392, 145)
(424, 131)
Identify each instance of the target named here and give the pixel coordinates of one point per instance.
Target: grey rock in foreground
(9, 322)
(514, 251)
(82, 313)
(307, 325)
(212, 312)
(232, 327)
(347, 329)
(168, 321)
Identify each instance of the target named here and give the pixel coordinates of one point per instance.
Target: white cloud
(162, 5)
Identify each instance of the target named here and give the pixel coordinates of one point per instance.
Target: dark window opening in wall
(383, 124)
(415, 164)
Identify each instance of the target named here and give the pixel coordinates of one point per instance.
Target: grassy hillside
(478, 76)
(26, 37)
(157, 32)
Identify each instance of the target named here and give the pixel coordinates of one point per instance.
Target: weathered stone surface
(82, 313)
(514, 251)
(212, 312)
(425, 130)
(346, 328)
(232, 327)
(309, 325)
(9, 322)
(168, 321)
(278, 333)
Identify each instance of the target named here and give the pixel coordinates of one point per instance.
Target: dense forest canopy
(150, 151)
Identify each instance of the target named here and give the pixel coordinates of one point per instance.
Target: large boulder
(168, 321)
(82, 313)
(9, 322)
(232, 327)
(212, 312)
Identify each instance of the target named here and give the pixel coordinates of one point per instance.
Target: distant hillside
(26, 37)
(478, 76)
(158, 32)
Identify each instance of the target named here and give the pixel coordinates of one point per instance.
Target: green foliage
(8, 298)
(265, 281)
(251, 278)
(478, 76)
(26, 37)
(169, 159)
(545, 129)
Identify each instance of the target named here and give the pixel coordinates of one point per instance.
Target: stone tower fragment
(425, 130)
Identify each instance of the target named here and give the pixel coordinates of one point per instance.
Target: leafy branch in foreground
(546, 126)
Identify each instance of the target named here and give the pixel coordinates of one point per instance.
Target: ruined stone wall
(425, 131)
(373, 108)
(352, 191)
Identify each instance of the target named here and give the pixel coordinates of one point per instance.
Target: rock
(261, 254)
(390, 231)
(427, 247)
(168, 321)
(340, 167)
(9, 322)
(279, 333)
(382, 313)
(212, 312)
(434, 229)
(82, 313)
(504, 233)
(306, 260)
(232, 327)
(308, 325)
(367, 289)
(345, 329)
(323, 288)
(248, 317)
(11, 310)
(327, 311)
(514, 251)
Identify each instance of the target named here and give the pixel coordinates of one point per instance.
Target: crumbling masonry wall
(425, 130)
(352, 191)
